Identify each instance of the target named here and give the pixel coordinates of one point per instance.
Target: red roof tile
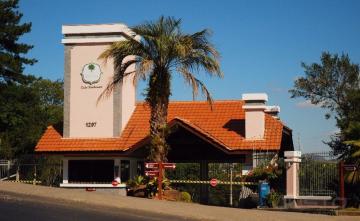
(224, 125)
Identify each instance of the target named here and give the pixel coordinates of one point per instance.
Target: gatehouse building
(99, 141)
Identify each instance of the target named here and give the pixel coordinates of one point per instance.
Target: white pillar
(254, 159)
(293, 158)
(65, 170)
(118, 166)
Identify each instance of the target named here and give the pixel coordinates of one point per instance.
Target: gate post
(204, 188)
(293, 159)
(17, 173)
(8, 169)
(341, 184)
(65, 170)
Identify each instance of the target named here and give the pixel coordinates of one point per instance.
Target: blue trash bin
(264, 190)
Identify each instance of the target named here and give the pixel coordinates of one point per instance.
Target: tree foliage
(160, 49)
(27, 104)
(12, 59)
(334, 84)
(331, 84)
(25, 111)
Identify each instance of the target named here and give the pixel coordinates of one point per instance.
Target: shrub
(137, 181)
(185, 197)
(273, 199)
(274, 174)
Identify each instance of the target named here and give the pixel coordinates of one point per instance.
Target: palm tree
(353, 177)
(159, 50)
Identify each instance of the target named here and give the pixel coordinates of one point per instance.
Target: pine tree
(12, 52)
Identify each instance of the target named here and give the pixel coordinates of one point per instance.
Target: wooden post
(160, 178)
(341, 184)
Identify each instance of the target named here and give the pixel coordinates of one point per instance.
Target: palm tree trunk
(158, 99)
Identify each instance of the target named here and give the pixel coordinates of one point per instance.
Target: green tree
(162, 50)
(25, 111)
(334, 84)
(12, 52)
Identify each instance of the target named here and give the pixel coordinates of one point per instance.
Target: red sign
(151, 165)
(213, 182)
(114, 183)
(169, 166)
(151, 173)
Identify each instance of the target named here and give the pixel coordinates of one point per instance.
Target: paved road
(24, 208)
(53, 204)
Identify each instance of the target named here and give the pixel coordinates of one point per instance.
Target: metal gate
(319, 174)
(32, 169)
(5, 169)
(186, 178)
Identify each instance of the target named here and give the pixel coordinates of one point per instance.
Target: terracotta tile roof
(223, 125)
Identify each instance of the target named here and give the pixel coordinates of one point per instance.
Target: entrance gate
(187, 177)
(5, 169)
(319, 175)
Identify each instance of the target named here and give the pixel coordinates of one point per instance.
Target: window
(91, 171)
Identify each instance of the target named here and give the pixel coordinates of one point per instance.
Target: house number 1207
(90, 124)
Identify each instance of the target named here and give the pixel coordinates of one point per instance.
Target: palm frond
(196, 85)
(124, 54)
(162, 46)
(159, 49)
(356, 147)
(201, 42)
(353, 177)
(120, 74)
(196, 52)
(163, 26)
(143, 69)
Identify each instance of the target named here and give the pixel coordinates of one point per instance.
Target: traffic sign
(151, 173)
(213, 182)
(156, 170)
(151, 165)
(114, 183)
(350, 167)
(169, 166)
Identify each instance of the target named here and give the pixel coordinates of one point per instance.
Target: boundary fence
(32, 169)
(319, 174)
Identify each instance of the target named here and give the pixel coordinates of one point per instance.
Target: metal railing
(186, 177)
(31, 170)
(5, 169)
(318, 174)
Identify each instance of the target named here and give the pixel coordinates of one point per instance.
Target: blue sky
(262, 44)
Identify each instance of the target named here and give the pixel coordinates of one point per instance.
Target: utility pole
(231, 184)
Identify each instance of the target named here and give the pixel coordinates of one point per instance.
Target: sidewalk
(188, 210)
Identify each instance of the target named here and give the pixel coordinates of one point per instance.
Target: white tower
(86, 77)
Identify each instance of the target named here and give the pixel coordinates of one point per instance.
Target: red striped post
(160, 177)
